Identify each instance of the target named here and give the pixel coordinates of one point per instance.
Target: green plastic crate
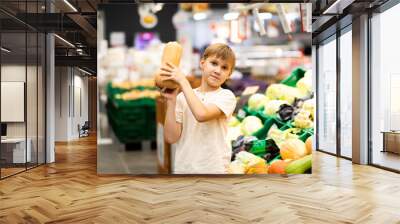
(250, 112)
(112, 91)
(274, 159)
(259, 147)
(131, 120)
(286, 126)
(269, 121)
(294, 77)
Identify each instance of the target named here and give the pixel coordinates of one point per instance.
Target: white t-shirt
(202, 147)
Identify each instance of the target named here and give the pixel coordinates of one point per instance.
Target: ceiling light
(70, 5)
(231, 15)
(65, 41)
(84, 71)
(5, 50)
(148, 20)
(199, 16)
(157, 7)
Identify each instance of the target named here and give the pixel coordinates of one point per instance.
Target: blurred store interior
(269, 40)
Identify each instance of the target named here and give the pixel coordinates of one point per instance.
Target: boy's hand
(169, 94)
(172, 72)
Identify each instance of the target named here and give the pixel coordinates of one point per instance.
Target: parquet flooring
(69, 191)
(10, 171)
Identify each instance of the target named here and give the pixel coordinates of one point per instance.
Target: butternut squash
(172, 53)
(293, 149)
(309, 145)
(277, 167)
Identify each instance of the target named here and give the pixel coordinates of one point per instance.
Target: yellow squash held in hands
(172, 53)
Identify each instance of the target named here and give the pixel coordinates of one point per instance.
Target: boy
(196, 119)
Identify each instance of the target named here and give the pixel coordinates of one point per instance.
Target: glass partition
(32, 96)
(22, 87)
(327, 96)
(346, 93)
(41, 106)
(13, 94)
(385, 89)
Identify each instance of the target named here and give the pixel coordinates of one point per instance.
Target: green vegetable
(299, 166)
(250, 125)
(303, 119)
(308, 105)
(283, 92)
(256, 101)
(233, 121)
(305, 83)
(272, 106)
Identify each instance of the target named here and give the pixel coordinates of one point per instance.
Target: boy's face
(215, 71)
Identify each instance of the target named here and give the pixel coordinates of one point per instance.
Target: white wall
(14, 73)
(61, 103)
(80, 94)
(71, 87)
(33, 127)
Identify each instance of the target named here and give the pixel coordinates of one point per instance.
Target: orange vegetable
(293, 149)
(309, 145)
(257, 170)
(277, 167)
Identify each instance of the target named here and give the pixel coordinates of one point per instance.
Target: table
(16, 147)
(391, 141)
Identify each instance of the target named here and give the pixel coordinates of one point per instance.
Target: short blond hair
(222, 51)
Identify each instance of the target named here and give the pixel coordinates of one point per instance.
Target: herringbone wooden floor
(69, 191)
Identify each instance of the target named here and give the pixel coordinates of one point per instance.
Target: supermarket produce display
(273, 132)
(131, 108)
(132, 112)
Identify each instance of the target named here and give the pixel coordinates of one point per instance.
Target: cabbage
(247, 163)
(248, 159)
(233, 133)
(233, 122)
(308, 105)
(277, 135)
(251, 124)
(275, 91)
(305, 85)
(256, 101)
(236, 167)
(280, 136)
(283, 92)
(271, 107)
(303, 119)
